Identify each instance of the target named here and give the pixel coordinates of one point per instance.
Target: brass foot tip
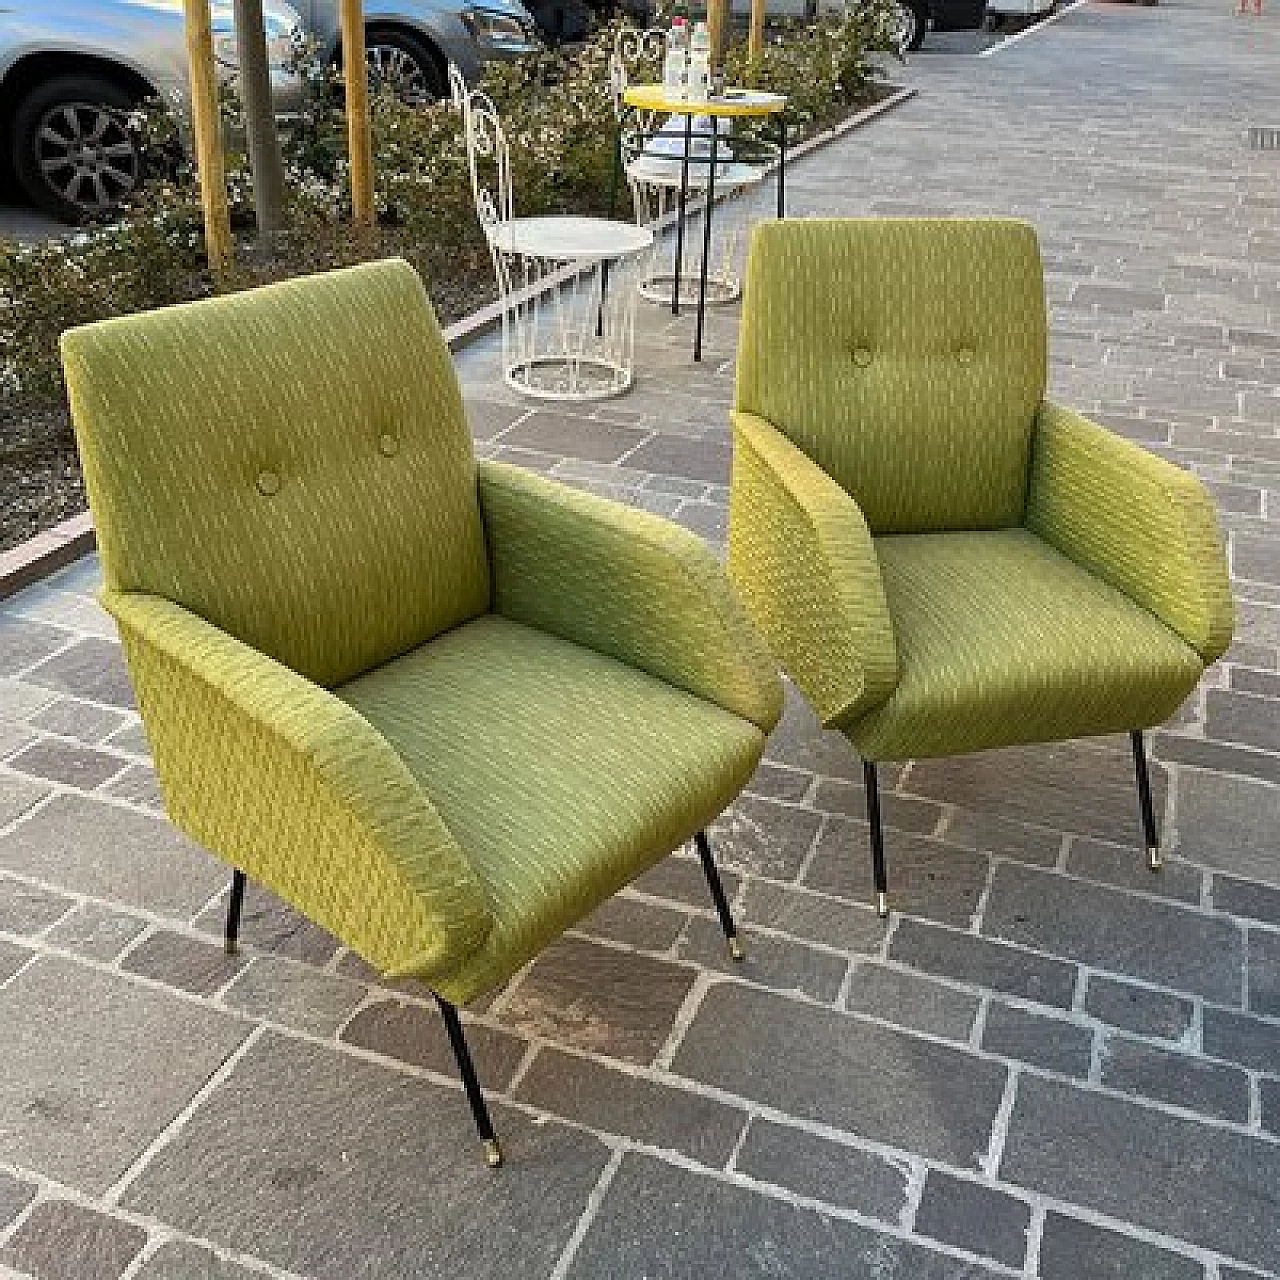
(736, 953)
(1155, 858)
(882, 904)
(492, 1153)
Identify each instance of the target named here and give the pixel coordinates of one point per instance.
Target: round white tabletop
(571, 238)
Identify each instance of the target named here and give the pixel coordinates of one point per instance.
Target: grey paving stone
(19, 701)
(60, 1240)
(1126, 866)
(179, 961)
(181, 1260)
(96, 1067)
(487, 418)
(410, 1033)
(28, 909)
(294, 995)
(823, 1170)
(1178, 1078)
(1117, 298)
(1242, 717)
(1246, 898)
(13, 737)
(1228, 762)
(23, 642)
(1270, 1096)
(96, 931)
(801, 742)
(105, 851)
(365, 1173)
(992, 834)
(829, 1067)
(133, 740)
(1229, 823)
(12, 958)
(1116, 931)
(63, 762)
(140, 785)
(665, 1223)
(771, 961)
(618, 1102)
(553, 432)
(985, 964)
(1264, 972)
(926, 877)
(680, 879)
(15, 1195)
(1075, 1250)
(778, 783)
(1239, 1038)
(813, 916)
(17, 795)
(970, 1216)
(1138, 1009)
(642, 924)
(764, 838)
(1247, 680)
(1191, 1181)
(705, 458)
(75, 719)
(902, 812)
(1051, 1043)
(1255, 558)
(271, 925)
(912, 1002)
(91, 668)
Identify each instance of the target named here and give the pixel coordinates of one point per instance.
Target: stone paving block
(991, 834)
(1246, 898)
(96, 931)
(618, 1102)
(1229, 823)
(106, 851)
(343, 1170)
(1177, 1078)
(139, 785)
(182, 962)
(1126, 867)
(271, 925)
(1117, 931)
(15, 1195)
(1270, 1097)
(763, 837)
(13, 737)
(552, 432)
(91, 668)
(694, 458)
(23, 642)
(1138, 1009)
(28, 909)
(75, 719)
(17, 795)
(985, 964)
(776, 782)
(709, 521)
(974, 1217)
(1118, 298)
(1265, 684)
(771, 961)
(665, 1223)
(834, 1069)
(294, 995)
(902, 812)
(1191, 1181)
(912, 1002)
(642, 924)
(681, 879)
(812, 916)
(823, 1170)
(1242, 717)
(1051, 1043)
(96, 1067)
(1264, 972)
(12, 958)
(416, 1035)
(487, 418)
(1237, 1037)
(19, 701)
(132, 739)
(1073, 1250)
(62, 762)
(60, 1240)
(181, 1260)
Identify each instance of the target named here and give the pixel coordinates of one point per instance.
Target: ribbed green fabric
(292, 464)
(287, 782)
(1001, 640)
(802, 558)
(1144, 525)
(906, 357)
(562, 772)
(626, 584)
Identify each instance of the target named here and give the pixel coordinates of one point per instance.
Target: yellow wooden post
(755, 42)
(718, 28)
(359, 139)
(206, 125)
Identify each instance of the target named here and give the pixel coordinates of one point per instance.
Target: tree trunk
(207, 129)
(359, 140)
(718, 28)
(755, 44)
(260, 120)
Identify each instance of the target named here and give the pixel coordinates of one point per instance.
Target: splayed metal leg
(471, 1083)
(1155, 859)
(231, 937)
(718, 897)
(878, 871)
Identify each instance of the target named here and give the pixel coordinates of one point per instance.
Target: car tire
(913, 22)
(406, 64)
(72, 152)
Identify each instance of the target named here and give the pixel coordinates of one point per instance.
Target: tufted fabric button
(268, 483)
(862, 356)
(388, 445)
(964, 355)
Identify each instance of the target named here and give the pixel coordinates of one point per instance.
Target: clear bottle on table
(700, 64)
(675, 67)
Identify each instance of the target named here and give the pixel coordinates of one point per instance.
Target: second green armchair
(941, 559)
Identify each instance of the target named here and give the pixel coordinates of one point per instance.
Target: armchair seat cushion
(1003, 640)
(561, 773)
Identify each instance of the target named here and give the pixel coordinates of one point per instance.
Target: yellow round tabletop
(732, 102)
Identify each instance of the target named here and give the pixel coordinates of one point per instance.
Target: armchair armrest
(626, 584)
(802, 557)
(1140, 523)
(284, 780)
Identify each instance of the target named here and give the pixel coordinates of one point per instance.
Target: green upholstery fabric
(287, 782)
(561, 772)
(1003, 640)
(292, 464)
(802, 558)
(626, 584)
(1146, 526)
(906, 357)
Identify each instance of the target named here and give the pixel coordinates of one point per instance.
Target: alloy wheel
(86, 155)
(391, 67)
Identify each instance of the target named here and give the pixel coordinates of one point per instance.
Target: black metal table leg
(706, 243)
(683, 204)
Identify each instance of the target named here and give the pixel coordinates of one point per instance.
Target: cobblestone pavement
(1051, 1063)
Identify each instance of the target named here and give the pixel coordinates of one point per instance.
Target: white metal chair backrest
(631, 45)
(487, 152)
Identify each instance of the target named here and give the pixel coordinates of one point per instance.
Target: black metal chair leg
(231, 939)
(880, 875)
(717, 896)
(471, 1083)
(1155, 859)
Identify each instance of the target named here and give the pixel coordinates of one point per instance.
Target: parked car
(71, 69)
(916, 17)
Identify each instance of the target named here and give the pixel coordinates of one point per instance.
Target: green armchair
(942, 560)
(444, 711)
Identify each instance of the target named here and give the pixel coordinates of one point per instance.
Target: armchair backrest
(291, 463)
(906, 357)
